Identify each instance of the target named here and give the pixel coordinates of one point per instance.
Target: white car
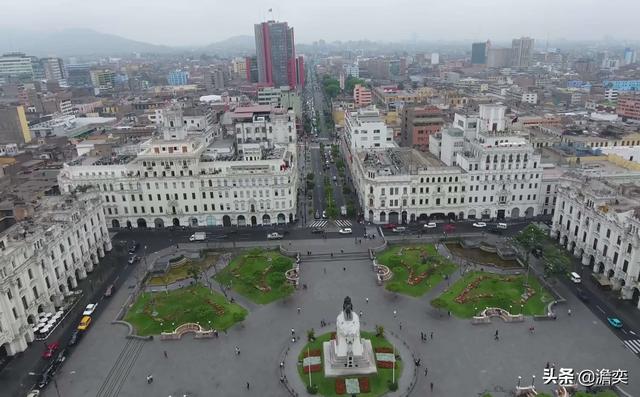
(91, 307)
(430, 225)
(399, 229)
(274, 236)
(346, 230)
(479, 224)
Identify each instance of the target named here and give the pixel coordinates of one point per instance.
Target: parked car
(84, 323)
(109, 291)
(33, 393)
(74, 338)
(50, 350)
(430, 225)
(615, 322)
(274, 236)
(346, 230)
(317, 230)
(134, 247)
(389, 226)
(91, 307)
(479, 224)
(132, 259)
(399, 229)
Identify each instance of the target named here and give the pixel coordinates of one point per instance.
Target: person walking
(149, 379)
(569, 312)
(293, 332)
(299, 310)
(237, 350)
(431, 386)
(165, 354)
(248, 385)
(395, 314)
(366, 300)
(496, 337)
(431, 336)
(426, 371)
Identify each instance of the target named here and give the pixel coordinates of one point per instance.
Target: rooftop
(398, 161)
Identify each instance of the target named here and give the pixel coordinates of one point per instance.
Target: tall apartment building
(251, 68)
(281, 97)
(418, 123)
(53, 69)
(276, 55)
(178, 77)
(103, 80)
(13, 125)
(362, 96)
(365, 128)
(44, 257)
(522, 50)
(186, 177)
(499, 57)
(597, 220)
(15, 65)
(479, 53)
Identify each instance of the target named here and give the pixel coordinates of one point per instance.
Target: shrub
(281, 264)
(311, 335)
(379, 330)
(312, 389)
(276, 279)
(237, 316)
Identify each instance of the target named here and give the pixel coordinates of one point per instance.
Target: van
(502, 226)
(575, 277)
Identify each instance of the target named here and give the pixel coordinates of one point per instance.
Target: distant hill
(71, 42)
(235, 44)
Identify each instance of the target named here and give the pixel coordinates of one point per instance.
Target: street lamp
(519, 379)
(533, 380)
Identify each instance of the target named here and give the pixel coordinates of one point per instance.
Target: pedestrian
(569, 312)
(400, 324)
(281, 364)
(431, 336)
(299, 310)
(360, 313)
(366, 300)
(247, 385)
(332, 254)
(531, 329)
(342, 251)
(395, 314)
(165, 354)
(149, 379)
(237, 351)
(344, 269)
(449, 313)
(431, 386)
(281, 378)
(547, 366)
(496, 337)
(426, 370)
(215, 333)
(293, 332)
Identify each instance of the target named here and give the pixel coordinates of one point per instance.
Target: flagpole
(393, 371)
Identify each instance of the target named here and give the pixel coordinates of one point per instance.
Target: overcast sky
(196, 22)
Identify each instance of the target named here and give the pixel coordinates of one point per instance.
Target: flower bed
(312, 368)
(364, 385)
(341, 387)
(384, 350)
(312, 353)
(384, 364)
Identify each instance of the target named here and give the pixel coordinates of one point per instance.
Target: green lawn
(259, 275)
(429, 273)
(194, 304)
(503, 291)
(327, 386)
(182, 272)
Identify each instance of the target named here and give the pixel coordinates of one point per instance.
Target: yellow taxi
(84, 323)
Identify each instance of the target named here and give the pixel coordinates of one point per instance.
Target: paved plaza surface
(462, 359)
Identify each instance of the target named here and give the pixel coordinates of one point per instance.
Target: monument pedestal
(335, 365)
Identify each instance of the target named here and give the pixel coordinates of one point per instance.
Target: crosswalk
(633, 345)
(318, 224)
(343, 223)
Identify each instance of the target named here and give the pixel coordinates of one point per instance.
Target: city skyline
(496, 20)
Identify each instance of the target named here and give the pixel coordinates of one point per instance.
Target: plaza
(462, 359)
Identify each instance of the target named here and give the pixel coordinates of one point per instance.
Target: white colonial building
(43, 258)
(598, 220)
(399, 185)
(365, 128)
(187, 177)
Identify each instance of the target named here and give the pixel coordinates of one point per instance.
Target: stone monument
(348, 354)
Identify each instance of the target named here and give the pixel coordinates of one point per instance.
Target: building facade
(189, 178)
(629, 108)
(522, 51)
(365, 128)
(418, 124)
(16, 65)
(479, 53)
(43, 259)
(361, 95)
(14, 127)
(598, 221)
(178, 77)
(276, 54)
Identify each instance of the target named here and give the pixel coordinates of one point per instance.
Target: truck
(198, 236)
(343, 210)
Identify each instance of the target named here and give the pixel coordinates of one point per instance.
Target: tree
(311, 335)
(556, 262)
(379, 330)
(194, 272)
(351, 82)
(529, 238)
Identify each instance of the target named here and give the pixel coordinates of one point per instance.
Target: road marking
(317, 224)
(599, 308)
(622, 329)
(633, 345)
